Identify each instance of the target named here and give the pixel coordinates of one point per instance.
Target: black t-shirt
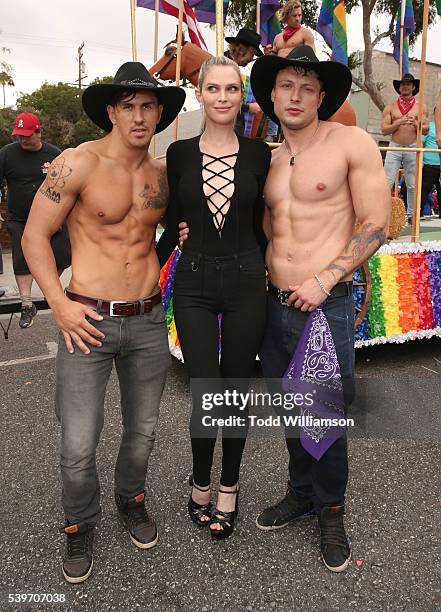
(24, 172)
(242, 230)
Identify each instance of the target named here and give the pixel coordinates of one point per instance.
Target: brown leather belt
(117, 308)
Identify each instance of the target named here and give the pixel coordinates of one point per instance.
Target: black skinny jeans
(205, 287)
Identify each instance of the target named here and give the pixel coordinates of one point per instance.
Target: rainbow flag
(270, 25)
(331, 25)
(405, 20)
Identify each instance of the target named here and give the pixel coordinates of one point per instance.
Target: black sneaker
(78, 560)
(291, 508)
(334, 544)
(27, 316)
(142, 528)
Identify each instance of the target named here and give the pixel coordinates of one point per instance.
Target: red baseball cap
(26, 124)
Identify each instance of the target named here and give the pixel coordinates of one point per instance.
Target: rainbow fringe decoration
(166, 280)
(405, 294)
(331, 25)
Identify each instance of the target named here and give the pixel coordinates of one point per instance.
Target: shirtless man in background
(112, 194)
(293, 34)
(322, 178)
(400, 122)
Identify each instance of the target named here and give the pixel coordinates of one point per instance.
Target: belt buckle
(112, 303)
(282, 297)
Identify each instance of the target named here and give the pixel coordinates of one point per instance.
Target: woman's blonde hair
(219, 60)
(287, 9)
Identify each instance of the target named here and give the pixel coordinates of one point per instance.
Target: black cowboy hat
(247, 37)
(336, 79)
(131, 77)
(407, 78)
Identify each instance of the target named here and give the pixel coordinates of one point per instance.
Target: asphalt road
(393, 501)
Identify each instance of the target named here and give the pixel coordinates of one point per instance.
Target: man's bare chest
(311, 181)
(144, 196)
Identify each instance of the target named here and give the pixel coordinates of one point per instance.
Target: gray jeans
(393, 162)
(139, 347)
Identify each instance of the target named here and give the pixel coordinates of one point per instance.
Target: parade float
(397, 293)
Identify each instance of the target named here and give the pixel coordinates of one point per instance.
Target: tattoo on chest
(155, 195)
(56, 179)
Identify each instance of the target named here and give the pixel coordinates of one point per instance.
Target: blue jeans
(323, 481)
(393, 162)
(138, 346)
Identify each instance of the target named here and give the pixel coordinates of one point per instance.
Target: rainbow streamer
(269, 22)
(408, 29)
(252, 123)
(166, 280)
(331, 25)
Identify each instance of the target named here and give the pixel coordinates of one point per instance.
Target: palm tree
(6, 80)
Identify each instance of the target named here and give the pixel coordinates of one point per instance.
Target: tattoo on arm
(155, 196)
(56, 179)
(358, 249)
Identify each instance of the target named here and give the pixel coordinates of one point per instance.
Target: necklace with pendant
(294, 155)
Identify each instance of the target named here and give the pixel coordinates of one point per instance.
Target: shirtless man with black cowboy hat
(112, 195)
(322, 178)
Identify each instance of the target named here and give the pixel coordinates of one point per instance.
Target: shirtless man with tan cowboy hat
(400, 122)
(112, 194)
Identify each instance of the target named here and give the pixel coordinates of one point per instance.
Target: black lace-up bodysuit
(219, 197)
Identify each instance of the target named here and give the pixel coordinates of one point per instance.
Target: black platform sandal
(197, 511)
(225, 519)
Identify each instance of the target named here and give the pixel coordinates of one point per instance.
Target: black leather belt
(117, 308)
(282, 295)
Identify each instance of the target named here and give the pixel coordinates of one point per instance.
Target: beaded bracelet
(322, 287)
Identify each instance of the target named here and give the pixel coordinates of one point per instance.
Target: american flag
(171, 7)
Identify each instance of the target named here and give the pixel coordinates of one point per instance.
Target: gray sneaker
(78, 559)
(27, 316)
(141, 527)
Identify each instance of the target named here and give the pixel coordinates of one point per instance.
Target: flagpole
(403, 11)
(155, 58)
(133, 26)
(258, 16)
(219, 27)
(178, 59)
(419, 156)
(155, 44)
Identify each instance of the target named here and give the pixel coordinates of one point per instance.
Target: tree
(7, 118)
(61, 114)
(243, 12)
(6, 79)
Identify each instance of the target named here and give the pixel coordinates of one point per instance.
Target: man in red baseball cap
(24, 165)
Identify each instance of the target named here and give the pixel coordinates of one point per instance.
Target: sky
(43, 38)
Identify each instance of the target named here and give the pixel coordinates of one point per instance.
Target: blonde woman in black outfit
(216, 182)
